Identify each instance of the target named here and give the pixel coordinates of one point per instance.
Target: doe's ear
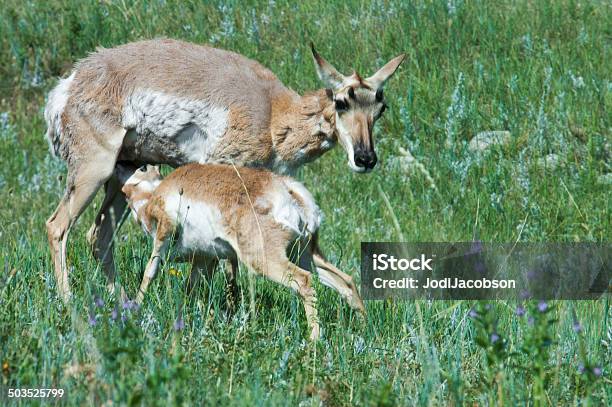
(326, 72)
(379, 78)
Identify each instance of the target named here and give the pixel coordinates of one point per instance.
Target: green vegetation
(538, 69)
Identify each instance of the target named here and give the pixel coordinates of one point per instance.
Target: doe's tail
(56, 102)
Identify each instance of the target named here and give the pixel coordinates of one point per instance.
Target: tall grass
(538, 69)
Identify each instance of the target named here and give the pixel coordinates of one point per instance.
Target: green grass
(538, 69)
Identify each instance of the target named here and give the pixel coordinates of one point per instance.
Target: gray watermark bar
(479, 271)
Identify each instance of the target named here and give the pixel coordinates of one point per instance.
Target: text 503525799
(35, 393)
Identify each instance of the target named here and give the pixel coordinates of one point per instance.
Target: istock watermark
(475, 270)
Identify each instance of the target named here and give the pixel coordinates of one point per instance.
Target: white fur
(325, 277)
(310, 213)
(300, 154)
(201, 227)
(301, 217)
(194, 125)
(345, 139)
(280, 167)
(56, 103)
(326, 145)
(285, 209)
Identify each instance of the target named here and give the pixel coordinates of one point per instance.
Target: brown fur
(268, 125)
(256, 237)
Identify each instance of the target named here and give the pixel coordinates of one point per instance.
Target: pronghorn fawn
(171, 102)
(206, 212)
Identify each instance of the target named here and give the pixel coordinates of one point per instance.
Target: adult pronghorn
(173, 102)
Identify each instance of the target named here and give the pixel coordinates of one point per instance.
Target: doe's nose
(366, 159)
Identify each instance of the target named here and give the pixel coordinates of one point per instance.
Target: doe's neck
(303, 128)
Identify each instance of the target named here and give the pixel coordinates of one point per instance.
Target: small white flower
(550, 162)
(486, 139)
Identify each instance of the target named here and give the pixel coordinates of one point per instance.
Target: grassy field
(538, 69)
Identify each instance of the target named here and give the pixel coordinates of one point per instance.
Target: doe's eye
(341, 105)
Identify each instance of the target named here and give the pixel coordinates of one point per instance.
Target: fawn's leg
(159, 248)
(231, 288)
(200, 266)
(282, 271)
(332, 277)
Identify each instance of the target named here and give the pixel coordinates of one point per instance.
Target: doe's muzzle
(365, 158)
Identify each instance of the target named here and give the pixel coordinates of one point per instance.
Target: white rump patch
(299, 216)
(195, 126)
(311, 214)
(54, 108)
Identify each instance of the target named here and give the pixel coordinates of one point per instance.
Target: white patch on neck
(194, 125)
(326, 145)
(300, 154)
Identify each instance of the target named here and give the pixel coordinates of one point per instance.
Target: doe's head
(359, 103)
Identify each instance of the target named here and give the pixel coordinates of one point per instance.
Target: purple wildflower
(597, 371)
(473, 313)
(525, 295)
(114, 314)
(542, 306)
(476, 247)
(530, 320)
(494, 337)
(124, 317)
(581, 368)
(480, 267)
(98, 302)
(577, 327)
(520, 311)
(130, 305)
(179, 324)
(93, 321)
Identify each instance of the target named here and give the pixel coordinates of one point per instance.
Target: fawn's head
(138, 182)
(359, 103)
